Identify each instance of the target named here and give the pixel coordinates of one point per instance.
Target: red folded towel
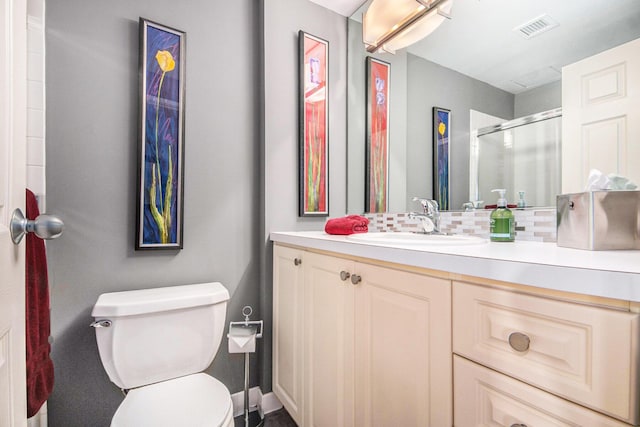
(347, 225)
(496, 206)
(39, 364)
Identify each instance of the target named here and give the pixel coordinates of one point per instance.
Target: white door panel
(13, 48)
(601, 116)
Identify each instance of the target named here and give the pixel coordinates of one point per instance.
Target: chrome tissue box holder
(599, 220)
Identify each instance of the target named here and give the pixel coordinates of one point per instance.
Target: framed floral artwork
(441, 126)
(161, 137)
(313, 83)
(377, 136)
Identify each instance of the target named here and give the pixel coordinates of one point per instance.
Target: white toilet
(155, 343)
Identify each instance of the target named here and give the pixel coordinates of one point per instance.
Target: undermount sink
(416, 239)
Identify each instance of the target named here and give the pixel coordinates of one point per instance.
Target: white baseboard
(264, 403)
(270, 403)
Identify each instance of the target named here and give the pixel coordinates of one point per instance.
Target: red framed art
(313, 116)
(377, 143)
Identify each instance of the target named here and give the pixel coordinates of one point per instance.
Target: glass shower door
(520, 155)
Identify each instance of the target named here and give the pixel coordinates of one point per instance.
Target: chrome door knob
(44, 226)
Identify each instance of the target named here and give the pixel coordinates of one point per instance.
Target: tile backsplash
(537, 225)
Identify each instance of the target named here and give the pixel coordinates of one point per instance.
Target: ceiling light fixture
(389, 25)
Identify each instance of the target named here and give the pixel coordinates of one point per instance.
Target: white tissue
(242, 341)
(619, 182)
(599, 181)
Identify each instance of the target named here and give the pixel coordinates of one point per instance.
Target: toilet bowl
(154, 344)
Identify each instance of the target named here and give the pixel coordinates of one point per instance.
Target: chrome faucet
(472, 205)
(430, 216)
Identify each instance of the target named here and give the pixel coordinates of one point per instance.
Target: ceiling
(480, 41)
(343, 7)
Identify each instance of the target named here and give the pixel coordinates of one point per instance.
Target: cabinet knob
(355, 279)
(297, 261)
(518, 425)
(344, 275)
(519, 342)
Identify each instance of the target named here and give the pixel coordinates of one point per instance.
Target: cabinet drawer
(483, 397)
(582, 353)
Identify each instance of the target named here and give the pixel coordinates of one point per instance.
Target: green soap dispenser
(503, 224)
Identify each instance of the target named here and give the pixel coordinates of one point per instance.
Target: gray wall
(539, 99)
(282, 21)
(92, 115)
(433, 85)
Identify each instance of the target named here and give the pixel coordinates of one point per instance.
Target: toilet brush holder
(242, 339)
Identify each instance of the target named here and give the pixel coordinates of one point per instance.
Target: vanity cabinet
(376, 343)
(360, 342)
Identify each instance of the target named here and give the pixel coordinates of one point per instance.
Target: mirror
(476, 62)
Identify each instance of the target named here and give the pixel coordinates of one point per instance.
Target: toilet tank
(151, 335)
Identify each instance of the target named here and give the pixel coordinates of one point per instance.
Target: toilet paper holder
(240, 328)
(243, 333)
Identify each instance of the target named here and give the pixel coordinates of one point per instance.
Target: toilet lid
(197, 400)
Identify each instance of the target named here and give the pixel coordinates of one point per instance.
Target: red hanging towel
(39, 364)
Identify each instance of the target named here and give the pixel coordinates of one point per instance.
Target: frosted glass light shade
(401, 22)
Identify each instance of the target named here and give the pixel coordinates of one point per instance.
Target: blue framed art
(161, 139)
(441, 138)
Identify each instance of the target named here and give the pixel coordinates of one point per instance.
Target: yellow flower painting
(162, 139)
(441, 139)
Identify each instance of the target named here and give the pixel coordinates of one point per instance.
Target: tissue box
(599, 220)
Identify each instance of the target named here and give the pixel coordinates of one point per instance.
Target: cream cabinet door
(402, 349)
(329, 360)
(288, 328)
(601, 116)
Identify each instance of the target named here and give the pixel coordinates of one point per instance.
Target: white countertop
(611, 274)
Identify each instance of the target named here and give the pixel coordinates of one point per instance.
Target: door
(601, 116)
(328, 398)
(13, 46)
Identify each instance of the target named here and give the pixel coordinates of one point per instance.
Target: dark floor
(279, 418)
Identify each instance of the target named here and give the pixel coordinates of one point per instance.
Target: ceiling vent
(536, 26)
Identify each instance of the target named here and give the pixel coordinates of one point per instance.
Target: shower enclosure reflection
(520, 155)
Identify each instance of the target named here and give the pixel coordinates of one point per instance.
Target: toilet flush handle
(103, 323)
